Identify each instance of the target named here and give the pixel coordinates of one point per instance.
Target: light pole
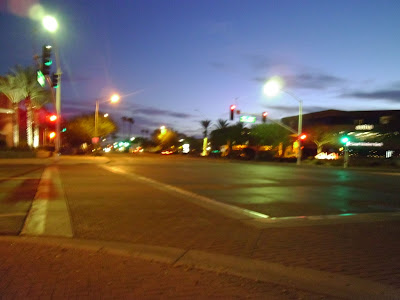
(114, 99)
(51, 25)
(272, 88)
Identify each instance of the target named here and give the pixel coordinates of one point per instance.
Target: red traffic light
(264, 117)
(52, 135)
(233, 107)
(303, 136)
(53, 118)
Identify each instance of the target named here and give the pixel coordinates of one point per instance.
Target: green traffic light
(344, 140)
(49, 62)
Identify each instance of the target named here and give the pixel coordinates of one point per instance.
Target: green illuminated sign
(41, 79)
(248, 119)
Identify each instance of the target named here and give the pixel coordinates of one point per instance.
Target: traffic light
(264, 116)
(232, 108)
(52, 135)
(46, 60)
(344, 140)
(303, 136)
(53, 118)
(54, 80)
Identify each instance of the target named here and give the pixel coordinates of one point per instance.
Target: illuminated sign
(365, 127)
(247, 119)
(185, 148)
(265, 148)
(40, 78)
(364, 144)
(325, 155)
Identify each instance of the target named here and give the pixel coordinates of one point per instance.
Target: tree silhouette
(222, 124)
(131, 122)
(124, 119)
(205, 124)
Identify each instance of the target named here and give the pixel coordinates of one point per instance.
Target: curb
(331, 284)
(62, 160)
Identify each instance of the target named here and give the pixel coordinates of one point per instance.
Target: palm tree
(205, 124)
(35, 98)
(124, 119)
(131, 122)
(222, 124)
(14, 90)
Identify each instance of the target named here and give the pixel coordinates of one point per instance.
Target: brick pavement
(30, 270)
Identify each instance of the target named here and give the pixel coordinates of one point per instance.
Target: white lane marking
(17, 214)
(36, 219)
(226, 209)
(385, 173)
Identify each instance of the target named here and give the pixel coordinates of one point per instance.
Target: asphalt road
(276, 190)
(273, 190)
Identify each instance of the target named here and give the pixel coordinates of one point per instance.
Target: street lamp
(271, 88)
(51, 25)
(114, 99)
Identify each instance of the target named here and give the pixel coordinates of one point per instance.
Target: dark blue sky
(178, 62)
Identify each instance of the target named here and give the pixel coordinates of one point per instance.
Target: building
(370, 133)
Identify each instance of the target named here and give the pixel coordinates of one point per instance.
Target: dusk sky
(178, 62)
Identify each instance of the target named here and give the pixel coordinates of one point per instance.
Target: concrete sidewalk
(42, 268)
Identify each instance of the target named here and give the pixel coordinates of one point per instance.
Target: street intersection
(341, 223)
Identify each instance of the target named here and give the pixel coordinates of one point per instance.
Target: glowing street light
(114, 98)
(271, 88)
(50, 23)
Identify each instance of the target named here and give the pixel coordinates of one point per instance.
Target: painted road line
(48, 214)
(36, 219)
(317, 220)
(205, 202)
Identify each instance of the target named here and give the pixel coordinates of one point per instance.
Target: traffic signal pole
(58, 102)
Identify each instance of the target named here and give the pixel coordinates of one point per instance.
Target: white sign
(185, 148)
(364, 144)
(365, 127)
